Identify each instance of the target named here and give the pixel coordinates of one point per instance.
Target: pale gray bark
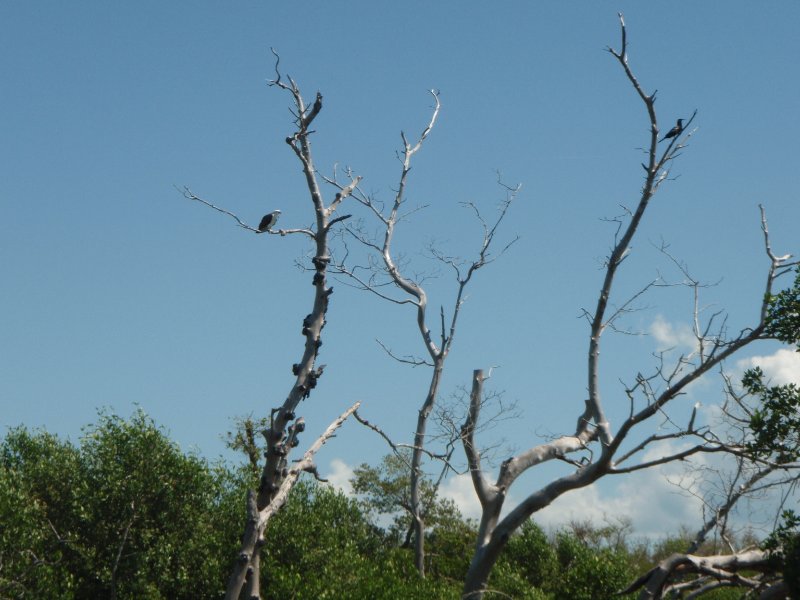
(725, 569)
(284, 430)
(594, 433)
(246, 569)
(412, 292)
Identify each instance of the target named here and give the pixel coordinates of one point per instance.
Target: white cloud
(654, 506)
(781, 368)
(460, 490)
(670, 336)
(340, 475)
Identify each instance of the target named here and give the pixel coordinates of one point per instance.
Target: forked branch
(257, 519)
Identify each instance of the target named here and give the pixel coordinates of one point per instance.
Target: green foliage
(587, 573)
(450, 544)
(674, 544)
(791, 563)
(318, 531)
(124, 515)
(31, 549)
(783, 314)
(784, 543)
(246, 438)
(507, 582)
(384, 491)
(531, 554)
(775, 424)
(584, 563)
(149, 505)
(321, 545)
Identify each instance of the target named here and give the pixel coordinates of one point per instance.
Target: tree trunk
(478, 573)
(247, 552)
(416, 466)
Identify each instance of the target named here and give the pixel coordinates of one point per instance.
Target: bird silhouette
(268, 221)
(674, 132)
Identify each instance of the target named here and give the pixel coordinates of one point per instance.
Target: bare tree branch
(713, 347)
(282, 434)
(187, 193)
(723, 567)
(257, 519)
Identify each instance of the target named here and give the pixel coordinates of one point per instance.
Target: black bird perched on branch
(674, 132)
(268, 221)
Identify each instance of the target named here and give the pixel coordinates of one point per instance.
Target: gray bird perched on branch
(674, 132)
(268, 221)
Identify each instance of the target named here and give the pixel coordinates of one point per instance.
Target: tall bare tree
(284, 429)
(597, 448)
(385, 278)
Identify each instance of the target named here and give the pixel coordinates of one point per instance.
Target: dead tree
(597, 448)
(743, 569)
(690, 574)
(761, 470)
(386, 270)
(278, 476)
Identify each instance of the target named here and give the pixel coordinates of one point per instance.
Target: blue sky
(117, 291)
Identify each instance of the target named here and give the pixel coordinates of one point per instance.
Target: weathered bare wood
(247, 564)
(654, 583)
(412, 292)
(283, 432)
(595, 437)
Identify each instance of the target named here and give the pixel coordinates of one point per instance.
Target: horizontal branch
(414, 362)
(724, 567)
(670, 458)
(189, 195)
